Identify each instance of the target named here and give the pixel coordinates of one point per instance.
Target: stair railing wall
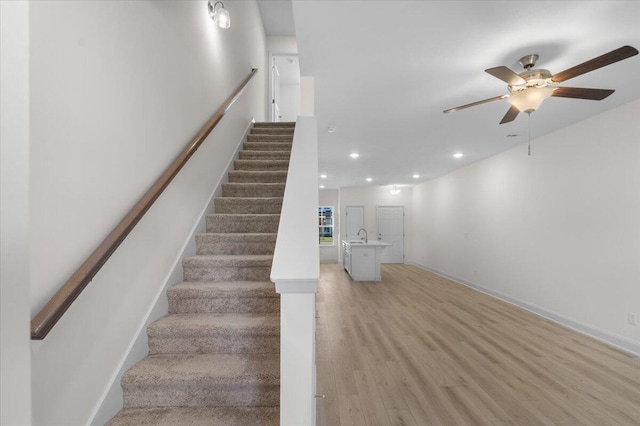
(49, 315)
(295, 272)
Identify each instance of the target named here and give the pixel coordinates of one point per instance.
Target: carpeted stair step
(273, 131)
(245, 243)
(269, 139)
(227, 267)
(248, 205)
(268, 146)
(215, 333)
(205, 380)
(246, 176)
(224, 297)
(234, 189)
(197, 416)
(263, 165)
(251, 223)
(278, 124)
(264, 155)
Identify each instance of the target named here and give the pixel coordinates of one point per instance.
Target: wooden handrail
(49, 315)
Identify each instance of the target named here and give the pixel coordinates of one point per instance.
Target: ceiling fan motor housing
(534, 78)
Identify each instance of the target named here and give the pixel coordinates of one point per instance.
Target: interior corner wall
(370, 197)
(118, 89)
(557, 232)
(329, 198)
(15, 346)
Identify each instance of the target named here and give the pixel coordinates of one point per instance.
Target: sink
(355, 242)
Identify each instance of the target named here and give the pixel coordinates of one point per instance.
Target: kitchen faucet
(366, 238)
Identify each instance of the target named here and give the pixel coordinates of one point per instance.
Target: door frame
(271, 91)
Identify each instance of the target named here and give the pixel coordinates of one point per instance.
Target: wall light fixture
(219, 14)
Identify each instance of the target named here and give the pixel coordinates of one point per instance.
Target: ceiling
(385, 71)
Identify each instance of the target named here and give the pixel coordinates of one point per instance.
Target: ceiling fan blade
(581, 93)
(619, 54)
(510, 115)
(506, 75)
(484, 101)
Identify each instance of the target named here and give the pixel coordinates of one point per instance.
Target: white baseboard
(612, 339)
(112, 399)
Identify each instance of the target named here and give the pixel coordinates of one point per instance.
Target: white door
(355, 221)
(391, 230)
(275, 91)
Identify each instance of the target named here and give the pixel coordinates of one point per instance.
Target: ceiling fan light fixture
(530, 99)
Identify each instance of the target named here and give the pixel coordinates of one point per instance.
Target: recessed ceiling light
(323, 176)
(458, 155)
(416, 176)
(369, 179)
(331, 129)
(354, 155)
(321, 186)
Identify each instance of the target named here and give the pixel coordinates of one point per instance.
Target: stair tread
(234, 370)
(265, 152)
(231, 257)
(241, 200)
(241, 236)
(197, 416)
(247, 215)
(267, 184)
(202, 324)
(213, 289)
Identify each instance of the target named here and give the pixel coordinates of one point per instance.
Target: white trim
(609, 338)
(297, 286)
(138, 348)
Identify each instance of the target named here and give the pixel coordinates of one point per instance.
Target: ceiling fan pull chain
(529, 131)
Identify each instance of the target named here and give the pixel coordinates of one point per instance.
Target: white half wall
(557, 232)
(117, 91)
(371, 197)
(15, 347)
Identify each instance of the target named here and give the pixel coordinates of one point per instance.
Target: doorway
(391, 230)
(284, 87)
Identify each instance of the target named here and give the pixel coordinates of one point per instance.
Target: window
(325, 225)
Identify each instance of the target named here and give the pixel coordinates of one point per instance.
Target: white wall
(329, 197)
(15, 367)
(290, 101)
(307, 96)
(370, 197)
(558, 231)
(117, 90)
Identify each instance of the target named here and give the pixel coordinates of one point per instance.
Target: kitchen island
(362, 259)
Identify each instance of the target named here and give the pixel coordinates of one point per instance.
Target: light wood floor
(418, 349)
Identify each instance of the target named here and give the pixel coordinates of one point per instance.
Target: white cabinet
(363, 264)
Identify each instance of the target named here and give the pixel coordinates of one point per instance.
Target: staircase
(214, 360)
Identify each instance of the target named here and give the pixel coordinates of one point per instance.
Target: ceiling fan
(530, 88)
